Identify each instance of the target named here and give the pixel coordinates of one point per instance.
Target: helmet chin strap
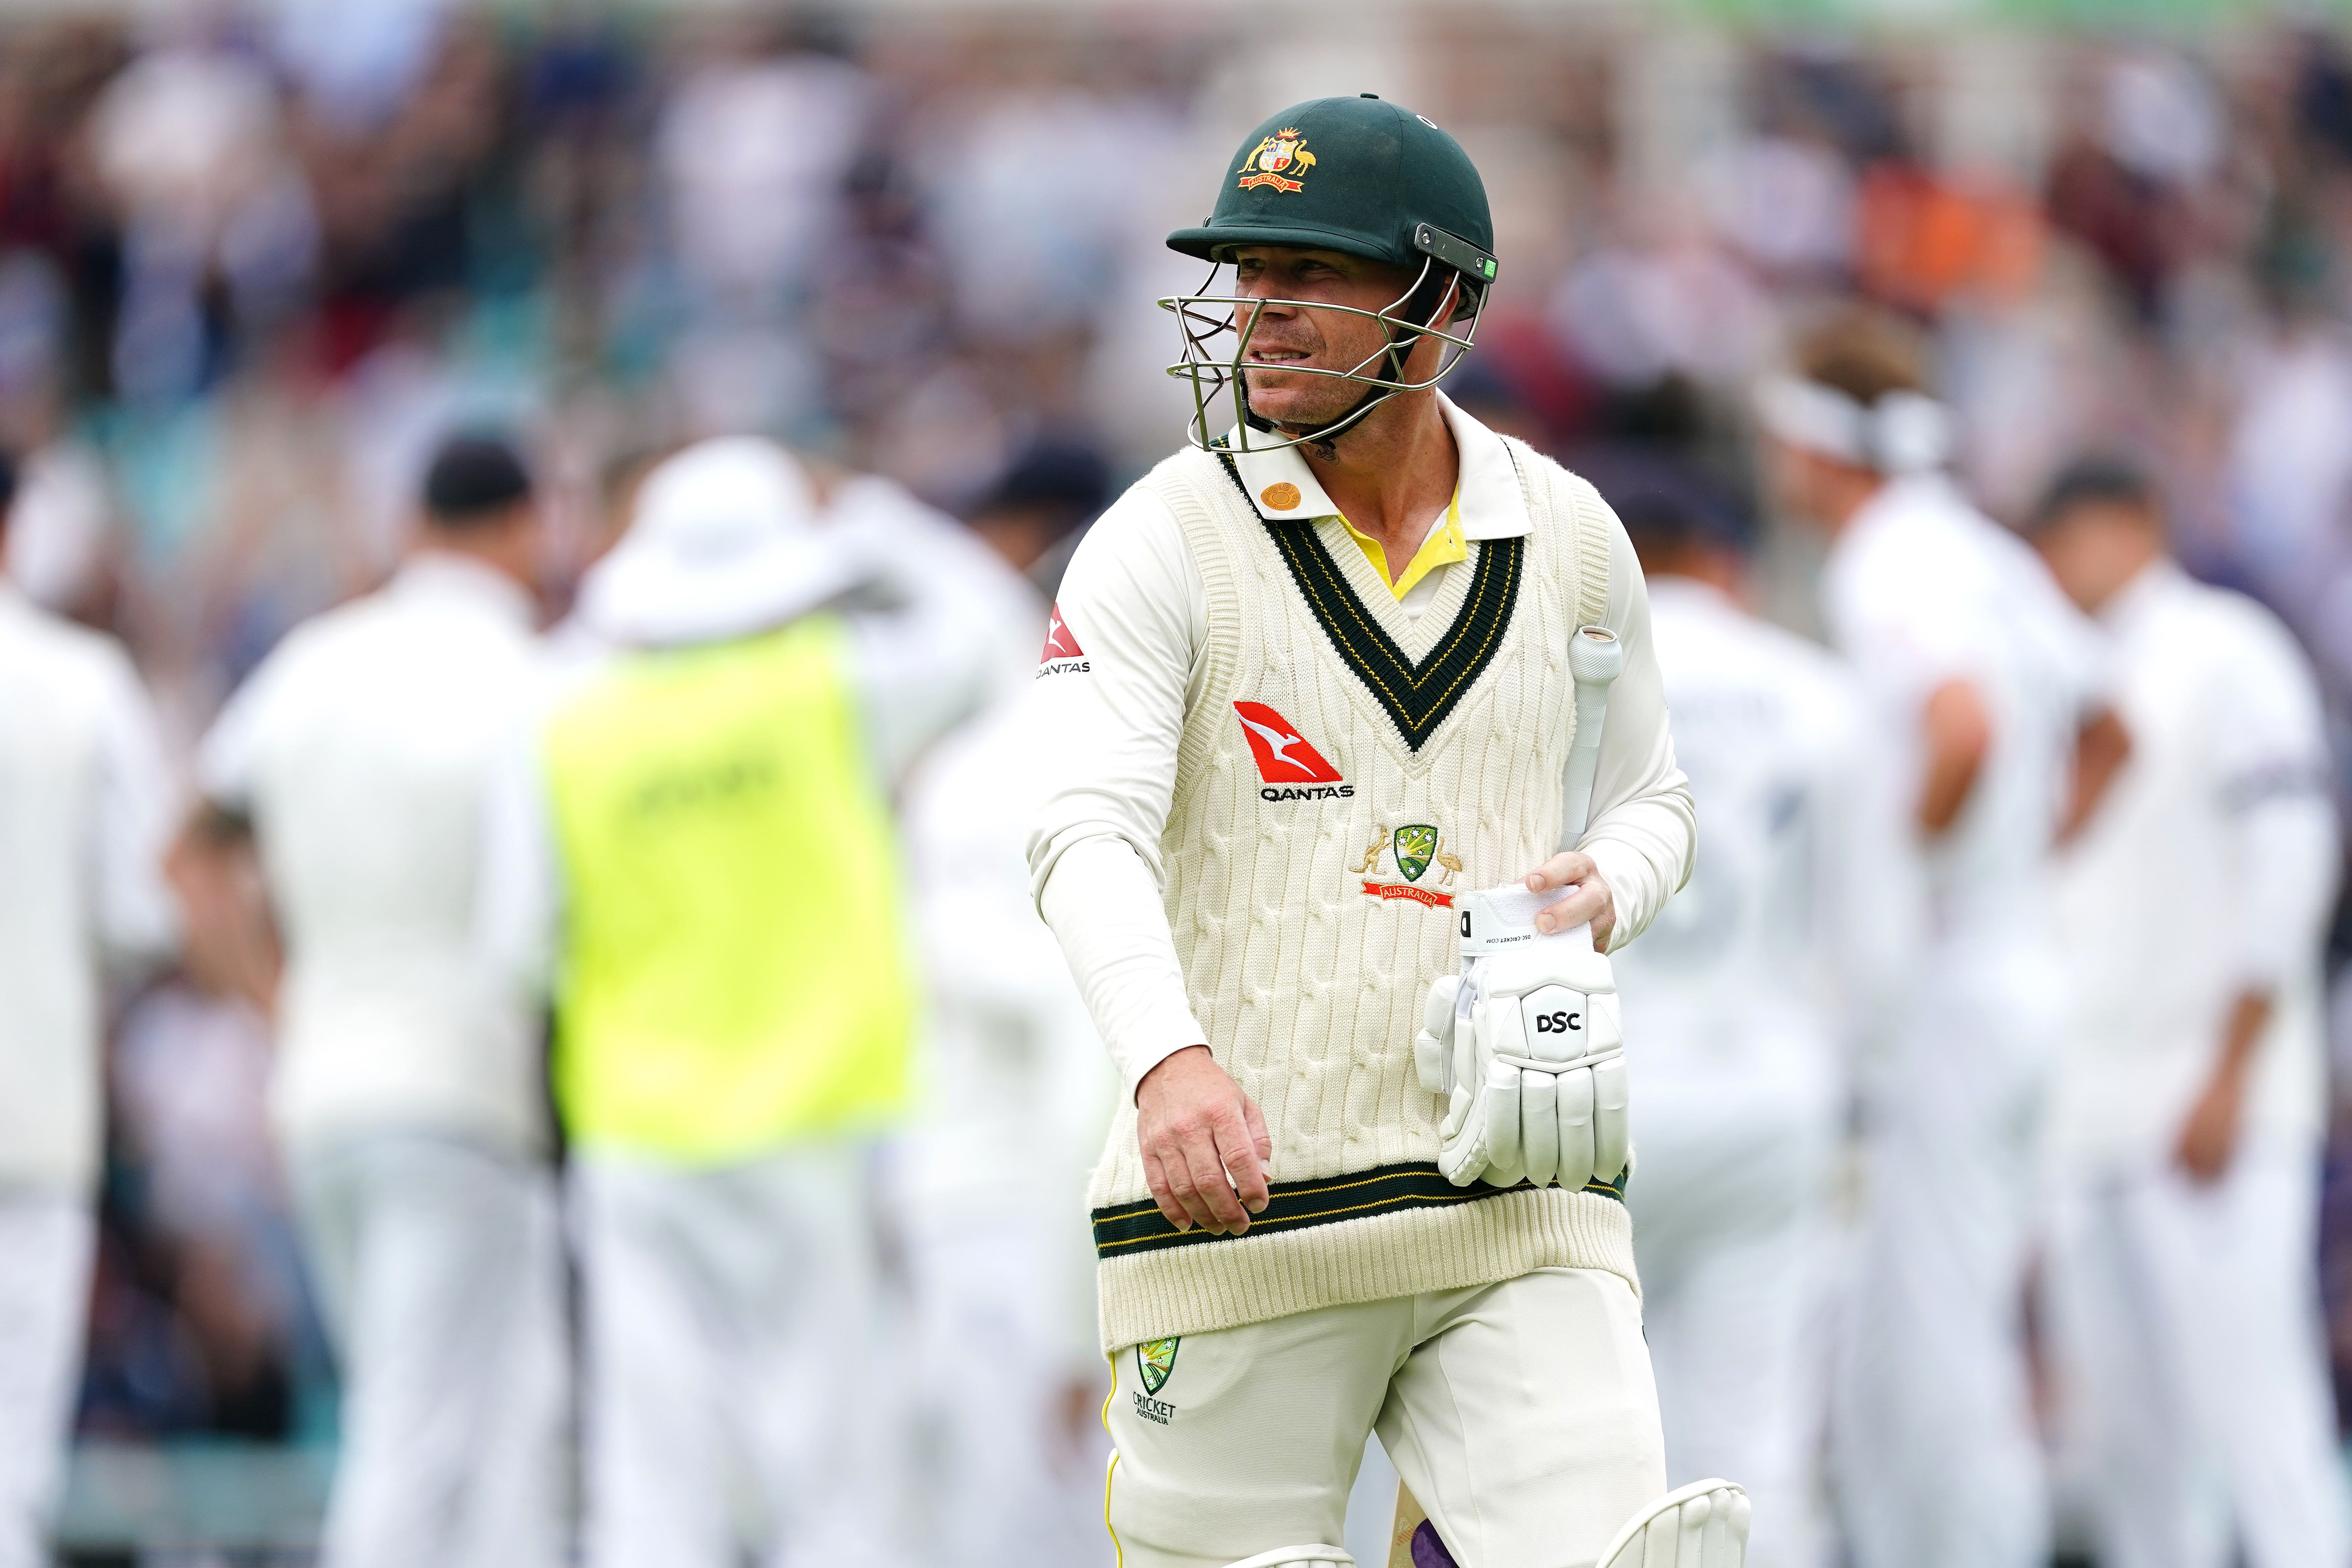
(1402, 342)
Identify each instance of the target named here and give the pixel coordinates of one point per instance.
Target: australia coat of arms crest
(1273, 160)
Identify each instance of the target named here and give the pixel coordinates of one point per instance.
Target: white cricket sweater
(1300, 922)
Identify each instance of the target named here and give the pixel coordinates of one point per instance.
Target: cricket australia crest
(1285, 150)
(1409, 853)
(1154, 1360)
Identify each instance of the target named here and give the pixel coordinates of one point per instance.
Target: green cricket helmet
(1356, 176)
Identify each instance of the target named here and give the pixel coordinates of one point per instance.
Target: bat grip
(1595, 658)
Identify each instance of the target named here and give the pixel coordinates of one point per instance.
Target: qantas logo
(1062, 654)
(1289, 767)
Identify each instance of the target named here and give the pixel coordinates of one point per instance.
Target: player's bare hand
(1591, 902)
(2210, 1136)
(1204, 1143)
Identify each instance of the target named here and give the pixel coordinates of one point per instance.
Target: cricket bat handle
(1595, 658)
(1409, 1515)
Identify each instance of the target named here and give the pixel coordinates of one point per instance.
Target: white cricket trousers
(2194, 1367)
(1935, 1457)
(733, 1405)
(47, 1240)
(1008, 1484)
(1730, 1226)
(1520, 1415)
(437, 1267)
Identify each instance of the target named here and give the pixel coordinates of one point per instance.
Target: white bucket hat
(725, 542)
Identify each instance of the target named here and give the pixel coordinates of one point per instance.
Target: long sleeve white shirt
(2209, 872)
(85, 807)
(1134, 606)
(1921, 589)
(361, 749)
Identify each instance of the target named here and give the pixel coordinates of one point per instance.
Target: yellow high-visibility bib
(735, 971)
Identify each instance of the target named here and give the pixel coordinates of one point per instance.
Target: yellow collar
(1444, 546)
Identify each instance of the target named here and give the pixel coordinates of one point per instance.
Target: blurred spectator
(1638, 313)
(752, 150)
(84, 809)
(188, 142)
(407, 1093)
(2190, 1099)
(1977, 675)
(201, 1227)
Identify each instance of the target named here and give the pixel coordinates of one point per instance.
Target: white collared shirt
(2208, 870)
(361, 750)
(1134, 600)
(1921, 589)
(84, 808)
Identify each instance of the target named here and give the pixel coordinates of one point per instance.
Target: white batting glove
(1527, 1048)
(1432, 1048)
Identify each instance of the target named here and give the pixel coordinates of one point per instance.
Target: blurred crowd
(259, 264)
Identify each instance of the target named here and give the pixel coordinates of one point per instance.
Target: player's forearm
(2241, 1033)
(2102, 747)
(1959, 738)
(1105, 910)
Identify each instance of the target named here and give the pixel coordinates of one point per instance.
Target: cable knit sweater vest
(1343, 775)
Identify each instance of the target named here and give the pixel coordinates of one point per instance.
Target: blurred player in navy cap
(408, 1094)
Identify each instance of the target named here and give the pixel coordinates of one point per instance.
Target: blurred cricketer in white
(407, 1094)
(1744, 995)
(1018, 1093)
(1984, 685)
(2191, 1097)
(85, 807)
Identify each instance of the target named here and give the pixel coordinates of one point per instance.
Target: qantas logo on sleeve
(1289, 767)
(1062, 654)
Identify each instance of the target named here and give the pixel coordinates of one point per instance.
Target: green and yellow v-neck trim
(1417, 697)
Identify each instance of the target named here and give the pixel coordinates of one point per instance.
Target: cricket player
(2190, 1100)
(693, 857)
(407, 1093)
(994, 1171)
(1978, 676)
(1305, 710)
(1742, 1001)
(84, 808)
(1016, 1093)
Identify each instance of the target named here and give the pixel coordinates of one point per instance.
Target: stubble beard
(1342, 397)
